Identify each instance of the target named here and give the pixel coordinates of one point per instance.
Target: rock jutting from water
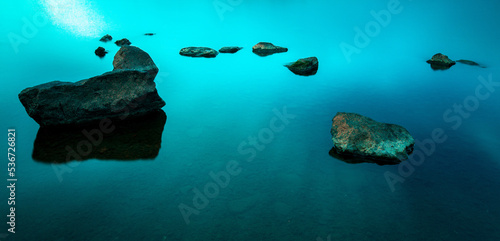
(123, 42)
(128, 90)
(265, 49)
(101, 52)
(357, 135)
(199, 52)
(440, 62)
(230, 49)
(106, 38)
(304, 67)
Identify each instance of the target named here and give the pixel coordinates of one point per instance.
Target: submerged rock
(123, 42)
(128, 90)
(357, 135)
(469, 62)
(199, 52)
(305, 67)
(264, 49)
(101, 52)
(440, 62)
(106, 38)
(230, 50)
(150, 34)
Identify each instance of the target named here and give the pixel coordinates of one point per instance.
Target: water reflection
(358, 159)
(129, 139)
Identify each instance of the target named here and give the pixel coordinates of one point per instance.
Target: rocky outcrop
(230, 50)
(360, 136)
(101, 52)
(106, 38)
(304, 67)
(128, 90)
(199, 52)
(123, 42)
(264, 49)
(469, 62)
(440, 62)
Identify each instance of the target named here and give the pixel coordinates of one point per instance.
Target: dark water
(287, 187)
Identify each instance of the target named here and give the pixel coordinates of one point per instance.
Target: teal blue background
(293, 189)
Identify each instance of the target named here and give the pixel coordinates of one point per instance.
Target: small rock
(440, 62)
(199, 52)
(106, 38)
(101, 52)
(304, 67)
(123, 42)
(468, 62)
(264, 49)
(230, 50)
(357, 135)
(150, 34)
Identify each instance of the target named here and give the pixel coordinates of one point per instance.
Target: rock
(149, 34)
(468, 62)
(305, 67)
(357, 135)
(106, 38)
(123, 42)
(230, 50)
(440, 62)
(101, 52)
(128, 90)
(264, 49)
(137, 138)
(199, 52)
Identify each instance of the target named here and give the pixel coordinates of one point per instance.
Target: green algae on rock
(304, 67)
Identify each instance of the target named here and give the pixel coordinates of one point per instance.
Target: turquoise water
(289, 188)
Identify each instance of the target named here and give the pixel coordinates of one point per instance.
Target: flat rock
(101, 52)
(440, 62)
(150, 34)
(264, 49)
(469, 62)
(304, 67)
(357, 135)
(199, 52)
(123, 42)
(106, 38)
(230, 50)
(128, 90)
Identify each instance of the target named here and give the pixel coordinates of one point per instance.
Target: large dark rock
(101, 52)
(264, 49)
(304, 67)
(199, 52)
(123, 42)
(230, 50)
(357, 135)
(134, 138)
(469, 62)
(106, 38)
(129, 89)
(440, 62)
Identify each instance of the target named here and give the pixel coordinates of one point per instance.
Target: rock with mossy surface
(101, 52)
(123, 42)
(265, 49)
(106, 38)
(128, 90)
(230, 49)
(197, 52)
(304, 67)
(360, 136)
(440, 62)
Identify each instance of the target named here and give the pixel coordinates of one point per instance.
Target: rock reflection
(351, 159)
(130, 139)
